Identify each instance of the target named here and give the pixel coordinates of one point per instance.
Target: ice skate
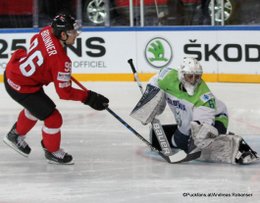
(15, 141)
(58, 157)
(245, 154)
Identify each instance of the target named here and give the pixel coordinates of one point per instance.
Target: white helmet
(189, 73)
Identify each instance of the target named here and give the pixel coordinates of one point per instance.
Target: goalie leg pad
(229, 149)
(224, 149)
(151, 104)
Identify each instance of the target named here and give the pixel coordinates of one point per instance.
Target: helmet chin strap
(64, 41)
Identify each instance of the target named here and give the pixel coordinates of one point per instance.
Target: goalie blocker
(151, 104)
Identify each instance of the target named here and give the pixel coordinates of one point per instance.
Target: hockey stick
(156, 125)
(169, 159)
(159, 132)
(136, 77)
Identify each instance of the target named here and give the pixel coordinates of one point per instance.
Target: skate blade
(249, 160)
(58, 163)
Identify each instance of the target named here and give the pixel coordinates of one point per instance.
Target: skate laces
(21, 142)
(59, 154)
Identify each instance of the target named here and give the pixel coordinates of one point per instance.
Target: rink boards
(227, 54)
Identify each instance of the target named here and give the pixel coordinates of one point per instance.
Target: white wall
(228, 50)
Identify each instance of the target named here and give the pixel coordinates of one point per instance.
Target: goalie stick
(176, 158)
(159, 132)
(156, 125)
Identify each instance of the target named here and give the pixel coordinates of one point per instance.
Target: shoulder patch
(206, 97)
(164, 72)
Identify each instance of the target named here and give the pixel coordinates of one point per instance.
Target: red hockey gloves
(96, 101)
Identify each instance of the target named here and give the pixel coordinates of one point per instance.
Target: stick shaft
(156, 125)
(125, 124)
(136, 77)
(78, 83)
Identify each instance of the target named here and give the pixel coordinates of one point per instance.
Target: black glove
(96, 101)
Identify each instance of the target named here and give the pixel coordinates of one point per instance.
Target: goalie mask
(189, 73)
(65, 23)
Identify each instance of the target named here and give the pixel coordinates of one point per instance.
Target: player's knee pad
(29, 116)
(54, 120)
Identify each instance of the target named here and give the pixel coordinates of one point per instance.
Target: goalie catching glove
(96, 101)
(203, 134)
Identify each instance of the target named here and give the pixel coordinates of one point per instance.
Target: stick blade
(178, 156)
(182, 156)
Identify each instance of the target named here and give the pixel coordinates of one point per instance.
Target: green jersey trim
(169, 82)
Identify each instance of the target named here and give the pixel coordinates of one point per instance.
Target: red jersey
(46, 61)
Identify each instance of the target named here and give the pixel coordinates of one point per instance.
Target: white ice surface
(113, 165)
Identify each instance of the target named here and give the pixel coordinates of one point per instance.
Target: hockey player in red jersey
(28, 71)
